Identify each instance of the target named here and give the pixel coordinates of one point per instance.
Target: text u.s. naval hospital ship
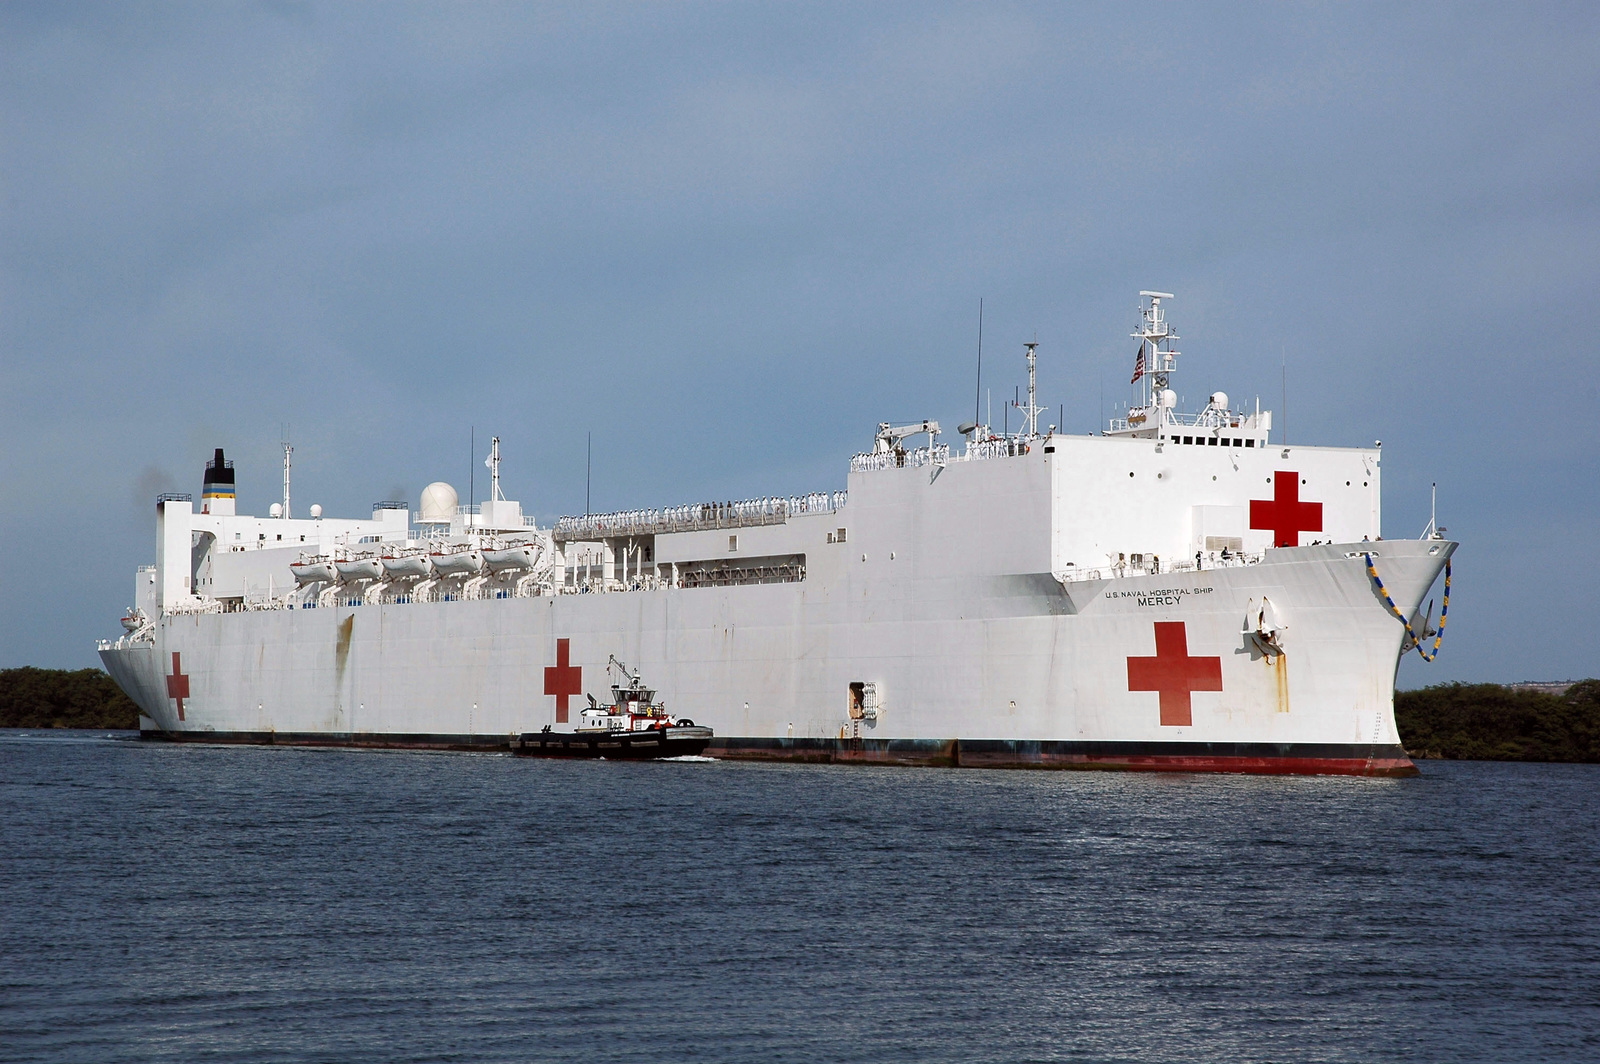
(1176, 592)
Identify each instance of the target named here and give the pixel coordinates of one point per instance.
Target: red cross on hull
(177, 684)
(1284, 515)
(563, 679)
(1174, 674)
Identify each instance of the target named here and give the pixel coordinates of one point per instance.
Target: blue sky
(730, 239)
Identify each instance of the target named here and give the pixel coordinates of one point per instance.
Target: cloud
(748, 234)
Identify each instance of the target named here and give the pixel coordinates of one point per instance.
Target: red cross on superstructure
(563, 679)
(177, 684)
(1174, 674)
(1284, 514)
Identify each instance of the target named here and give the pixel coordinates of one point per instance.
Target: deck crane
(890, 436)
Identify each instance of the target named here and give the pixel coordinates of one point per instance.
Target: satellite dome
(1167, 398)
(276, 509)
(438, 504)
(316, 509)
(1219, 400)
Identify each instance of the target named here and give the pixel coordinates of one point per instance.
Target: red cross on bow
(177, 684)
(1284, 514)
(563, 679)
(1174, 674)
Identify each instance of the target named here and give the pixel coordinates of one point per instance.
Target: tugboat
(633, 726)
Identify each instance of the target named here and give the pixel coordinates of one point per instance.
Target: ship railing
(1206, 419)
(1004, 447)
(769, 510)
(1118, 571)
(868, 461)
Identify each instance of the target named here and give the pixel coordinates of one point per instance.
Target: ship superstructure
(1175, 592)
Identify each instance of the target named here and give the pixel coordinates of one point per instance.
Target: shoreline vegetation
(59, 698)
(1455, 721)
(1490, 722)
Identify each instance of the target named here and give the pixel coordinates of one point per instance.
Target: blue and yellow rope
(1444, 611)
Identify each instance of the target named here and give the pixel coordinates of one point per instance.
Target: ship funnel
(216, 495)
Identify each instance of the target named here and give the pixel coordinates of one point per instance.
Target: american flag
(1138, 366)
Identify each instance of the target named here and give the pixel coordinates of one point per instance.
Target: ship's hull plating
(1010, 671)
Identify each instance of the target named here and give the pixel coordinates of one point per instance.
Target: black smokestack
(219, 475)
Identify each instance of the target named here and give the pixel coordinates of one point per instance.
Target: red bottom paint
(1251, 758)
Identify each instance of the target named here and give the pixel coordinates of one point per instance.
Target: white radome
(438, 503)
(1219, 400)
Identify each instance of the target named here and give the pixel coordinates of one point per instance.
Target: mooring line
(1444, 611)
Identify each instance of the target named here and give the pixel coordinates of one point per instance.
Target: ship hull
(1007, 671)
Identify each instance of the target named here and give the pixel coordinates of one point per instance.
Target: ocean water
(190, 903)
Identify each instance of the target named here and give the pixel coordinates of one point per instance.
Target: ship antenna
(493, 463)
(976, 412)
(1033, 409)
(287, 452)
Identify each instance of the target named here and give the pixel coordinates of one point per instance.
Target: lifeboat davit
(316, 571)
(460, 563)
(508, 559)
(406, 566)
(352, 569)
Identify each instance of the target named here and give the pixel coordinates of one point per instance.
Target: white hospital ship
(1177, 592)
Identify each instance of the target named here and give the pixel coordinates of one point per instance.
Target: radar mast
(1156, 338)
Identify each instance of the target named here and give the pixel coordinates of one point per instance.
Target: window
(733, 542)
(1250, 443)
(839, 536)
(1212, 442)
(1188, 439)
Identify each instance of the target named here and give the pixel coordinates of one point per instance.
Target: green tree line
(58, 698)
(1488, 722)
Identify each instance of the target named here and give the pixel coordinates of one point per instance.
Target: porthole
(1130, 474)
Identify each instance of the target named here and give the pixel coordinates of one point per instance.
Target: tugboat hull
(618, 745)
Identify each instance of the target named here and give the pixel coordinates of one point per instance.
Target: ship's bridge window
(1212, 442)
(1250, 443)
(1188, 439)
